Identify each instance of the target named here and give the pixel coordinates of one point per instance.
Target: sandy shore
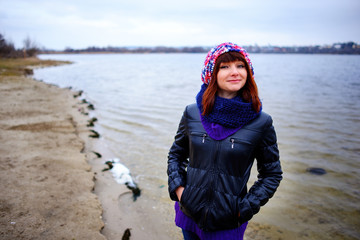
(51, 182)
(46, 183)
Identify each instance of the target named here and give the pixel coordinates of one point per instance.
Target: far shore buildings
(336, 48)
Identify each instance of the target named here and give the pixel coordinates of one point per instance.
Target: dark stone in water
(316, 171)
(78, 94)
(95, 134)
(91, 107)
(97, 154)
(127, 234)
(91, 122)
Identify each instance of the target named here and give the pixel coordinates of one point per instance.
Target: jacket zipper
(234, 140)
(203, 135)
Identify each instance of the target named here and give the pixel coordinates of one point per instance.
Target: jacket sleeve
(269, 174)
(178, 159)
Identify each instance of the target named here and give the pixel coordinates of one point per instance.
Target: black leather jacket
(215, 173)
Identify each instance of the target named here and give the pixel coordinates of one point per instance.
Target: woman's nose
(234, 70)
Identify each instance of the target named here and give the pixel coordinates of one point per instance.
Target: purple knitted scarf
(227, 116)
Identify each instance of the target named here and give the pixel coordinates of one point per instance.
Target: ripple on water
(315, 115)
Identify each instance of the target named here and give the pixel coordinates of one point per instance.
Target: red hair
(249, 92)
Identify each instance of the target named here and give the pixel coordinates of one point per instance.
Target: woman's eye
(240, 66)
(224, 67)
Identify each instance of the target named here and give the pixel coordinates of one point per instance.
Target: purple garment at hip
(186, 223)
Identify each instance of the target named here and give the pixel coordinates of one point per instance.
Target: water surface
(313, 99)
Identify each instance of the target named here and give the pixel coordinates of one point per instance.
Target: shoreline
(52, 182)
(53, 185)
(46, 181)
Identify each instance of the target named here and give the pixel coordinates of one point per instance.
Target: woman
(215, 146)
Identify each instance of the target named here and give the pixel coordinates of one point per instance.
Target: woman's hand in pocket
(179, 192)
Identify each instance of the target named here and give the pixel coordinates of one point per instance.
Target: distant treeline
(30, 48)
(158, 49)
(8, 50)
(337, 48)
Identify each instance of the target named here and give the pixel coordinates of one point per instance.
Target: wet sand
(120, 212)
(46, 183)
(51, 181)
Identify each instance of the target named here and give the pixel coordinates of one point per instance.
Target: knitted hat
(214, 53)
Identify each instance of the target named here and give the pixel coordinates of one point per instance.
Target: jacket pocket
(223, 214)
(185, 201)
(184, 207)
(235, 142)
(183, 195)
(199, 135)
(191, 202)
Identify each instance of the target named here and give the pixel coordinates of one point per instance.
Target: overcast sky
(83, 23)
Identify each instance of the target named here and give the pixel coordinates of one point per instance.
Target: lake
(313, 99)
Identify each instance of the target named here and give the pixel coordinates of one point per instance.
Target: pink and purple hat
(214, 53)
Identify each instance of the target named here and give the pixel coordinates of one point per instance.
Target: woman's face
(231, 77)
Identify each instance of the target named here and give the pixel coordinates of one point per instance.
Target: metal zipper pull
(232, 143)
(203, 141)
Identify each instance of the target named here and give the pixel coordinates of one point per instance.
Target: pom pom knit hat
(214, 53)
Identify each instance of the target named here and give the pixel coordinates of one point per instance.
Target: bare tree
(30, 47)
